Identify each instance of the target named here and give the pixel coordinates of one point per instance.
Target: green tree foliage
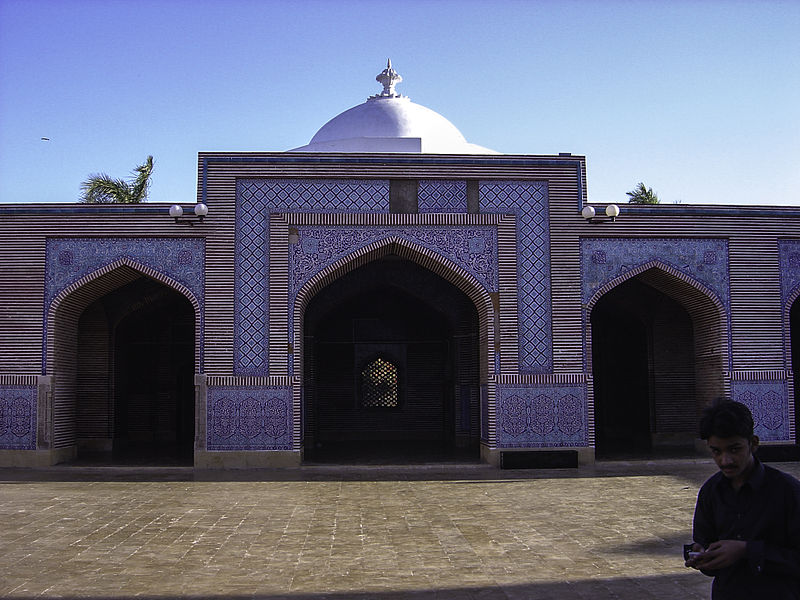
(642, 194)
(101, 189)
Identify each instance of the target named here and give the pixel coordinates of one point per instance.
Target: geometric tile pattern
(703, 260)
(437, 196)
(473, 248)
(249, 418)
(18, 418)
(528, 200)
(537, 416)
(768, 401)
(256, 199)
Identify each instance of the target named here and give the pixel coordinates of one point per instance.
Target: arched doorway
(657, 357)
(123, 364)
(391, 368)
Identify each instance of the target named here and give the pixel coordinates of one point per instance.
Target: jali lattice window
(379, 385)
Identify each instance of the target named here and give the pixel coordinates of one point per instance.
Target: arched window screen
(379, 385)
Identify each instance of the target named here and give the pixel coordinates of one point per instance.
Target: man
(747, 519)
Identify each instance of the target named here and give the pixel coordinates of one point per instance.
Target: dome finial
(388, 78)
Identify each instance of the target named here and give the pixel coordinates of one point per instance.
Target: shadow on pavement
(687, 586)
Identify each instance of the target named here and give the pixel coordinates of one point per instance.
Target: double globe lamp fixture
(590, 214)
(200, 211)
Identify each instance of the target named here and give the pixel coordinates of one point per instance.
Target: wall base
(673, 440)
(493, 456)
(96, 444)
(37, 458)
(204, 459)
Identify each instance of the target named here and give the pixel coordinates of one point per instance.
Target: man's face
(733, 455)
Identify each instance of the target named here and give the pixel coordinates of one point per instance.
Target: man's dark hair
(725, 418)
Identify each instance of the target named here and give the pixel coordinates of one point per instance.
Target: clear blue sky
(700, 100)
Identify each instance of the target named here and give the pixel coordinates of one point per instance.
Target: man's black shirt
(765, 513)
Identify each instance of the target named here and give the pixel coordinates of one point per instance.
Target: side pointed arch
(75, 297)
(657, 266)
(791, 298)
(709, 319)
(62, 331)
(789, 351)
(707, 310)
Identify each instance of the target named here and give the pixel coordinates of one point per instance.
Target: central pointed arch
(444, 268)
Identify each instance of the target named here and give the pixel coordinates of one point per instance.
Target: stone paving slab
(614, 530)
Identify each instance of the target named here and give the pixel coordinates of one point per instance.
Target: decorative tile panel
(256, 199)
(540, 416)
(789, 256)
(179, 259)
(528, 200)
(253, 418)
(474, 248)
(437, 196)
(18, 418)
(69, 259)
(769, 403)
(703, 260)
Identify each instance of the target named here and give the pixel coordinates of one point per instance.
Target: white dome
(389, 122)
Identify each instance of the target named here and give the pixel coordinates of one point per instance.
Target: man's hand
(719, 555)
(692, 562)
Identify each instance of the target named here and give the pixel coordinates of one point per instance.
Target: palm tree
(99, 188)
(642, 194)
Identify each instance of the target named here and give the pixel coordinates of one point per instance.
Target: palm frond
(140, 186)
(102, 189)
(642, 194)
(99, 188)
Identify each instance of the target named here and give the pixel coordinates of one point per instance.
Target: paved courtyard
(614, 530)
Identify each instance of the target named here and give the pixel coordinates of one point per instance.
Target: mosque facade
(390, 292)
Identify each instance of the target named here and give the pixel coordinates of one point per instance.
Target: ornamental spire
(388, 78)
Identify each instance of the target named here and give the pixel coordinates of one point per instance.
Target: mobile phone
(688, 551)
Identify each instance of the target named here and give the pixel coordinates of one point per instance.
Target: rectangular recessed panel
(540, 459)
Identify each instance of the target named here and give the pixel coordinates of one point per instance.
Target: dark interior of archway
(643, 367)
(794, 327)
(150, 390)
(405, 316)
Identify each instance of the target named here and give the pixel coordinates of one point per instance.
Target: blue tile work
(69, 259)
(528, 200)
(789, 256)
(442, 196)
(538, 416)
(767, 400)
(255, 200)
(703, 260)
(249, 418)
(474, 248)
(18, 418)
